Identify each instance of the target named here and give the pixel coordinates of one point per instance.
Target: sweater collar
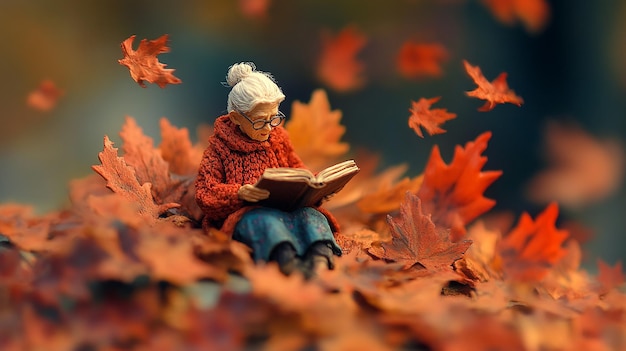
(235, 139)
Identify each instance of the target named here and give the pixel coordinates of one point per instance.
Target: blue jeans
(264, 228)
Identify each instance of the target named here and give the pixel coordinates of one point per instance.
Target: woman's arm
(216, 198)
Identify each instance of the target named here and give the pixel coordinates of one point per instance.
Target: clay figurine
(246, 141)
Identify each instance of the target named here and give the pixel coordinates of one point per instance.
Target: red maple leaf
(144, 64)
(417, 60)
(496, 92)
(453, 193)
(429, 119)
(416, 239)
(338, 66)
(533, 247)
(534, 14)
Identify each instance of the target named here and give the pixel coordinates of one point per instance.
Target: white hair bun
(239, 71)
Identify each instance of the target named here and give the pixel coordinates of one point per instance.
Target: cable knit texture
(232, 160)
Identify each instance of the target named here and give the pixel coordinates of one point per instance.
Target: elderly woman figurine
(245, 142)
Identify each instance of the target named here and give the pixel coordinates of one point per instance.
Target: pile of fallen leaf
(425, 267)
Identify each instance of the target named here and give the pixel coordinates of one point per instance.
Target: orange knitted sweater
(232, 160)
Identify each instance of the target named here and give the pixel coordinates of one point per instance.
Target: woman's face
(261, 112)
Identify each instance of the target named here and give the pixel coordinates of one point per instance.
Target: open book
(292, 188)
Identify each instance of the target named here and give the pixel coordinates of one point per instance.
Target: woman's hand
(250, 193)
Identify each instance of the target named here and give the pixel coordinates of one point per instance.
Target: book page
(337, 171)
(288, 174)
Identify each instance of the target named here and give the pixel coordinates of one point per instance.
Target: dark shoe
(320, 254)
(285, 255)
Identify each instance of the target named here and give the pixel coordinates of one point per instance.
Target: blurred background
(567, 59)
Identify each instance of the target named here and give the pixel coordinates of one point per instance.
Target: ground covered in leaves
(425, 266)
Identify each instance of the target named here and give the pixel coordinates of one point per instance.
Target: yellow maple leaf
(315, 131)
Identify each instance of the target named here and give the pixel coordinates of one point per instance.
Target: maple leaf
(429, 119)
(388, 197)
(144, 64)
(583, 169)
(254, 8)
(534, 14)
(610, 277)
(453, 193)
(149, 166)
(416, 239)
(338, 66)
(496, 92)
(315, 131)
(176, 149)
(533, 247)
(417, 60)
(45, 97)
(477, 262)
(121, 179)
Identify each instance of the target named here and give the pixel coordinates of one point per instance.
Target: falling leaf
(533, 247)
(45, 97)
(338, 66)
(496, 92)
(315, 131)
(144, 64)
(254, 8)
(417, 60)
(610, 277)
(583, 169)
(534, 14)
(429, 119)
(416, 239)
(453, 193)
(121, 179)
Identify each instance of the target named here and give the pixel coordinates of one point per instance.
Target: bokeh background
(572, 69)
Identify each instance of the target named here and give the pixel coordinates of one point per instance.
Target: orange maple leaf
(45, 97)
(176, 149)
(254, 8)
(144, 64)
(315, 131)
(139, 152)
(533, 247)
(121, 179)
(171, 257)
(583, 169)
(150, 166)
(417, 60)
(416, 239)
(429, 119)
(383, 193)
(338, 66)
(534, 14)
(610, 277)
(496, 92)
(453, 193)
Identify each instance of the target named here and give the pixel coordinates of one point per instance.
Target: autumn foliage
(144, 64)
(126, 266)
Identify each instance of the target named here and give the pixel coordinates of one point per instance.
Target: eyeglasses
(275, 121)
